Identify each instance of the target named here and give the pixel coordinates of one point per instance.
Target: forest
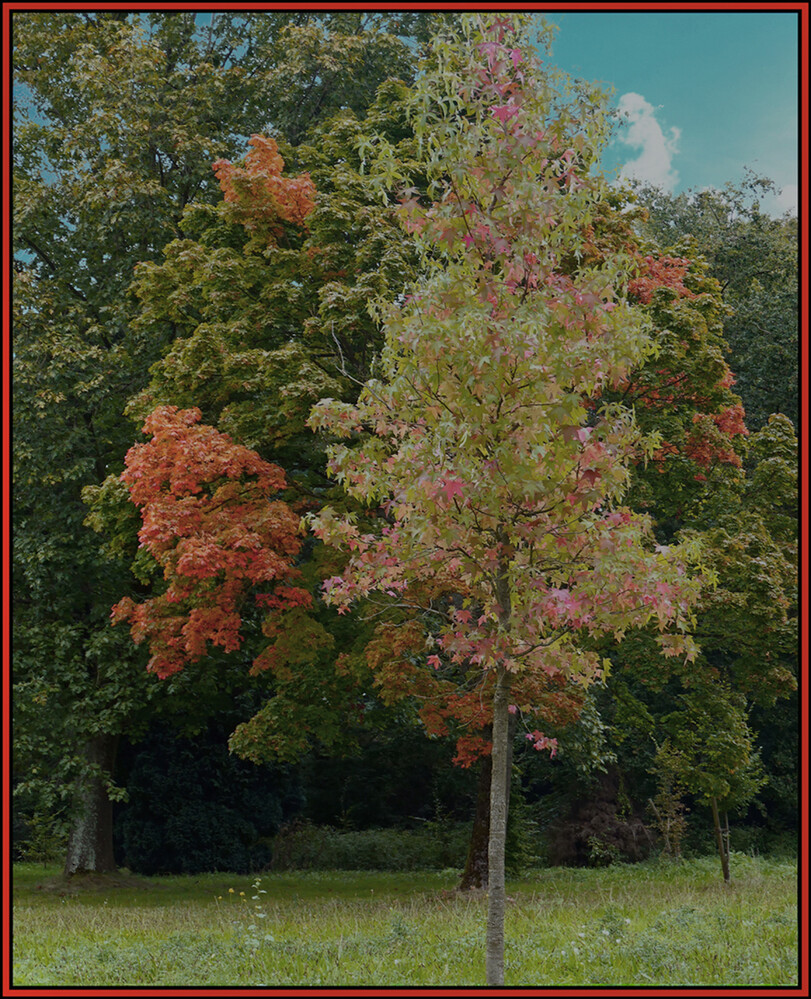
(390, 491)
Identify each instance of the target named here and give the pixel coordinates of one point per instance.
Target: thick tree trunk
(499, 801)
(719, 838)
(90, 846)
(475, 872)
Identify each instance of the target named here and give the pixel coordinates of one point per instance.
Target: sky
(707, 94)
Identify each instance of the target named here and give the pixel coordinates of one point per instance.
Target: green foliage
(746, 625)
(263, 328)
(710, 748)
(521, 845)
(118, 118)
(394, 778)
(135, 281)
(754, 257)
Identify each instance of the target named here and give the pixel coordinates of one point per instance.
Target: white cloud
(786, 200)
(654, 164)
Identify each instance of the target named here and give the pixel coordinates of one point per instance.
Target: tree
(263, 304)
(746, 625)
(710, 750)
(754, 257)
(700, 481)
(500, 486)
(269, 316)
(118, 117)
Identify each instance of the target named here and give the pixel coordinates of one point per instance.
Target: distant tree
(710, 750)
(746, 626)
(754, 256)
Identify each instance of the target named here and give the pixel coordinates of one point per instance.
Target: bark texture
(90, 846)
(723, 847)
(475, 873)
(499, 799)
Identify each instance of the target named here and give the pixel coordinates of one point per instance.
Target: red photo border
(802, 9)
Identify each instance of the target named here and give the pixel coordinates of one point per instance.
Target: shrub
(301, 845)
(192, 807)
(598, 831)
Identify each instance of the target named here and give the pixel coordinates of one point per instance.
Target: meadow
(650, 924)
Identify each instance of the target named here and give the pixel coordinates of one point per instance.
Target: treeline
(203, 211)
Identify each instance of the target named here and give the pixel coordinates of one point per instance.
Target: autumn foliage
(500, 487)
(258, 191)
(503, 491)
(212, 524)
(457, 698)
(661, 271)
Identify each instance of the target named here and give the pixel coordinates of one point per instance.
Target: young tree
(710, 750)
(502, 488)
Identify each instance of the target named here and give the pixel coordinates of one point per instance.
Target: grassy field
(648, 924)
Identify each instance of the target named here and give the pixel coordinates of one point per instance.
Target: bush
(301, 845)
(40, 839)
(192, 807)
(598, 831)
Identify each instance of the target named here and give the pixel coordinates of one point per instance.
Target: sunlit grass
(645, 924)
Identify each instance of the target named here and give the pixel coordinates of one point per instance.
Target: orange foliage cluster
(660, 272)
(705, 447)
(259, 190)
(396, 656)
(709, 441)
(210, 523)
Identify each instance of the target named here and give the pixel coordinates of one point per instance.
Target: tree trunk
(90, 846)
(475, 872)
(499, 801)
(719, 838)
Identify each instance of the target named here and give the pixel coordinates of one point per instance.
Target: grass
(653, 924)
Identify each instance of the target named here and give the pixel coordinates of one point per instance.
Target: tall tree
(269, 315)
(501, 487)
(117, 119)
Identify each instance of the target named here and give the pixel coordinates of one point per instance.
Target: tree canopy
(547, 410)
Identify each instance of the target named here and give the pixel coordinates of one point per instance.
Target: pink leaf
(451, 488)
(504, 112)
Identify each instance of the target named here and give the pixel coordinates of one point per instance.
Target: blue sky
(708, 93)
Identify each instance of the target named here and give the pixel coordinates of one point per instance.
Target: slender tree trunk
(719, 838)
(90, 846)
(499, 801)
